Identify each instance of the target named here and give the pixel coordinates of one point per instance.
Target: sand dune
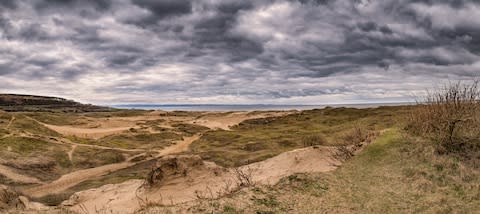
(207, 181)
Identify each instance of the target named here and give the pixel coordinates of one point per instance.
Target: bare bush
(449, 116)
(243, 177)
(355, 136)
(358, 135)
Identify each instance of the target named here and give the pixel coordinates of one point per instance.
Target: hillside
(31, 103)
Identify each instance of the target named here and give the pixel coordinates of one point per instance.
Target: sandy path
(74, 178)
(180, 146)
(11, 174)
(70, 153)
(10, 122)
(213, 121)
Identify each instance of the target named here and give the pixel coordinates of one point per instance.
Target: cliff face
(15, 102)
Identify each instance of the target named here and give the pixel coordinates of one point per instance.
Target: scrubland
(422, 158)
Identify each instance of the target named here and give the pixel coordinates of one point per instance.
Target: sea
(255, 107)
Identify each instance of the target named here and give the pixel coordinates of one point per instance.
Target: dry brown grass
(450, 117)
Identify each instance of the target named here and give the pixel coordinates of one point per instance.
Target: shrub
(449, 116)
(355, 135)
(314, 140)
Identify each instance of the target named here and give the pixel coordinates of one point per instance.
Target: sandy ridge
(127, 197)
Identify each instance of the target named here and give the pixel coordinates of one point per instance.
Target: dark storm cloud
(9, 4)
(238, 51)
(6, 68)
(165, 8)
(96, 4)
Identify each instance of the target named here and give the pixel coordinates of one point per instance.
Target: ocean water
(215, 107)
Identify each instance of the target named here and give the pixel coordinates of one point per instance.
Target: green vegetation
(151, 122)
(189, 129)
(258, 139)
(53, 199)
(133, 141)
(117, 113)
(84, 157)
(394, 174)
(137, 171)
(24, 124)
(59, 119)
(26, 146)
(35, 157)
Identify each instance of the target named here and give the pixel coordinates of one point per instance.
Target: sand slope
(208, 181)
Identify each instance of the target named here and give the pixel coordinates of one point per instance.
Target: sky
(236, 51)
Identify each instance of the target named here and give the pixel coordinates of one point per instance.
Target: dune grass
(189, 129)
(129, 140)
(35, 157)
(394, 174)
(258, 139)
(24, 124)
(84, 157)
(59, 119)
(118, 113)
(24, 146)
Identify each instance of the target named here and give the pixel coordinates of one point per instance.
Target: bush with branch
(449, 116)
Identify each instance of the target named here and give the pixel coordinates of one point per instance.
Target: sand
(225, 122)
(98, 128)
(209, 181)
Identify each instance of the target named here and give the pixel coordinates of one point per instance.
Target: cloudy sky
(236, 51)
